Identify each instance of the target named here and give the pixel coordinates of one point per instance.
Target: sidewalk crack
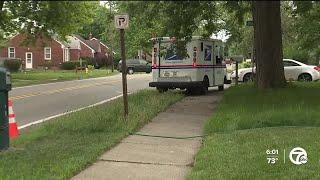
(149, 163)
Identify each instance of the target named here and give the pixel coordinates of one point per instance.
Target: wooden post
(237, 77)
(124, 74)
(112, 63)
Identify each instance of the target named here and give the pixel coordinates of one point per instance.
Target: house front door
(28, 60)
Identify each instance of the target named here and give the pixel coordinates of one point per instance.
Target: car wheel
(130, 71)
(221, 88)
(305, 77)
(205, 86)
(248, 77)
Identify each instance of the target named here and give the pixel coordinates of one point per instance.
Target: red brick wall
(37, 50)
(74, 54)
(85, 51)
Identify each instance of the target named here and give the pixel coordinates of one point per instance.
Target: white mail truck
(195, 68)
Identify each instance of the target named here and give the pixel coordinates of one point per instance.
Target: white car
(293, 71)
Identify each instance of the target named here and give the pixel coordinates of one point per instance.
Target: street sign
(249, 23)
(121, 21)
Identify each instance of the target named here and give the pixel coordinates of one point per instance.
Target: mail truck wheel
(205, 86)
(221, 87)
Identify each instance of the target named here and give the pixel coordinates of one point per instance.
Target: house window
(11, 52)
(47, 53)
(66, 55)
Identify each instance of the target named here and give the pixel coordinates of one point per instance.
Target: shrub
(84, 63)
(89, 60)
(90, 67)
(70, 65)
(13, 65)
(246, 64)
(48, 64)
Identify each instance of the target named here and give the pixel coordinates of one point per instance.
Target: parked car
(293, 71)
(136, 65)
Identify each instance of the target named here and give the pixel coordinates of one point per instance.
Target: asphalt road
(37, 102)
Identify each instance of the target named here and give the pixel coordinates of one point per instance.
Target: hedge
(13, 65)
(70, 65)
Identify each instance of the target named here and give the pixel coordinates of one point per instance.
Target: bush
(70, 65)
(246, 64)
(90, 67)
(13, 65)
(48, 64)
(89, 60)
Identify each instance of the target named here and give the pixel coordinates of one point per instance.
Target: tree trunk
(1, 5)
(268, 44)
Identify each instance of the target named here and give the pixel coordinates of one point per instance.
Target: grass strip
(248, 122)
(41, 76)
(60, 148)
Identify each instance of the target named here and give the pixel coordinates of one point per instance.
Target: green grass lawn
(41, 76)
(248, 122)
(60, 148)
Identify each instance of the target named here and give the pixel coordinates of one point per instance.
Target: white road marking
(72, 111)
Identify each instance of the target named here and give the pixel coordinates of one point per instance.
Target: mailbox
(5, 87)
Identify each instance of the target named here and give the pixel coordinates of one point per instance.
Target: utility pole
(122, 22)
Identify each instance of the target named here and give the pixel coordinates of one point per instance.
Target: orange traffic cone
(13, 128)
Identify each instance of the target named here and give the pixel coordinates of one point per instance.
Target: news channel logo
(297, 156)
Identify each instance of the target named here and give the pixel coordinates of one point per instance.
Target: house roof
(101, 43)
(84, 41)
(73, 42)
(95, 44)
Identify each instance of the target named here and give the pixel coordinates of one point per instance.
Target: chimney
(90, 36)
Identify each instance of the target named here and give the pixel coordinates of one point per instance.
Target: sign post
(122, 22)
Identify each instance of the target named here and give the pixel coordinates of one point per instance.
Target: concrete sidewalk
(145, 157)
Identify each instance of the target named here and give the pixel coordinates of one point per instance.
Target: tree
(44, 17)
(183, 19)
(268, 44)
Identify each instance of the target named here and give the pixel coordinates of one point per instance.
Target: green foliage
(45, 17)
(13, 65)
(102, 27)
(90, 67)
(245, 64)
(70, 65)
(47, 64)
(89, 60)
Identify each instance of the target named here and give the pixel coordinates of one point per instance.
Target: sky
(103, 2)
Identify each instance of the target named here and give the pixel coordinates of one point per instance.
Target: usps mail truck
(197, 67)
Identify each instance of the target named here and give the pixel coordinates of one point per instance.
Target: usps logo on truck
(121, 21)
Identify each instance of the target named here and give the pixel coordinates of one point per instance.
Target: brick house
(92, 48)
(53, 51)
